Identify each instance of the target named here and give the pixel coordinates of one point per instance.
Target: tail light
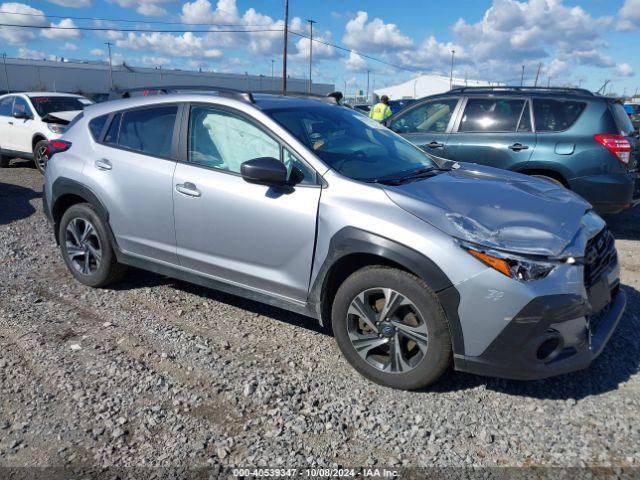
(57, 146)
(616, 144)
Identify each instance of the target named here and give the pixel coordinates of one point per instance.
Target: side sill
(238, 291)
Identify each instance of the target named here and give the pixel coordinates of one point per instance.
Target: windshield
(351, 143)
(45, 105)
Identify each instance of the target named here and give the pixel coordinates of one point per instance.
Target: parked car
(28, 120)
(633, 110)
(314, 208)
(570, 137)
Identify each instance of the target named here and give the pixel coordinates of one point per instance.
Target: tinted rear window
(622, 119)
(114, 128)
(491, 115)
(96, 125)
(44, 105)
(556, 115)
(148, 130)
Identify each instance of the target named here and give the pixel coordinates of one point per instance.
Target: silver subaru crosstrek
(412, 260)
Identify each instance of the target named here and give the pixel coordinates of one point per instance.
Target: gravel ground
(156, 372)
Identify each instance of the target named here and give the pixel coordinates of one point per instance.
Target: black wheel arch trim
(351, 240)
(65, 186)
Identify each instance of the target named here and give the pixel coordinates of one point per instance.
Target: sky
(578, 43)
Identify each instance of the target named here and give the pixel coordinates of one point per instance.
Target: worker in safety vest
(380, 111)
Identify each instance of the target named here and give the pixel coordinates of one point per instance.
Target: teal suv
(569, 136)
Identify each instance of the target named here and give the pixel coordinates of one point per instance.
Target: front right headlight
(514, 266)
(56, 128)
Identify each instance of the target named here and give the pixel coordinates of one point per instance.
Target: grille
(600, 255)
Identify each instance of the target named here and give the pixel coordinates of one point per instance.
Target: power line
(102, 29)
(129, 20)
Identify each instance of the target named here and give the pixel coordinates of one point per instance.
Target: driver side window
(20, 106)
(221, 140)
(431, 117)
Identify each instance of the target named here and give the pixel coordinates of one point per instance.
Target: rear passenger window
(148, 130)
(114, 128)
(555, 115)
(96, 125)
(491, 115)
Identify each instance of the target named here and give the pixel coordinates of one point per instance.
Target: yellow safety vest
(380, 112)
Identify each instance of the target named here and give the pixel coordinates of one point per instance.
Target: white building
(428, 85)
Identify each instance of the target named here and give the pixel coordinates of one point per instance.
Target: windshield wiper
(417, 174)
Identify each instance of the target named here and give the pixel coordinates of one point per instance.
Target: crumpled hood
(66, 117)
(496, 208)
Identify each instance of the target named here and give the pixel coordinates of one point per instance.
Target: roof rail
(578, 91)
(166, 89)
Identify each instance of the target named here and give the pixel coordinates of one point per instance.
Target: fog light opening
(550, 348)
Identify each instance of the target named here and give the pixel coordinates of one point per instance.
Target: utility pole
(272, 63)
(368, 98)
(535, 84)
(548, 81)
(108, 44)
(284, 47)
(522, 76)
(311, 22)
(453, 53)
(6, 75)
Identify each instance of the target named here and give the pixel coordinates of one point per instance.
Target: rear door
(493, 131)
(427, 124)
(131, 171)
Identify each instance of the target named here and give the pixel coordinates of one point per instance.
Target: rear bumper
(610, 193)
(514, 353)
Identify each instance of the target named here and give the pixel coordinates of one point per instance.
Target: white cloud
(149, 8)
(31, 54)
(96, 52)
(629, 16)
(186, 45)
(624, 70)
(155, 61)
(355, 63)
(70, 46)
(374, 36)
(71, 3)
(19, 35)
(64, 32)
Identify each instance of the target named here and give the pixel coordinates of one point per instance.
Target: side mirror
(264, 171)
(21, 115)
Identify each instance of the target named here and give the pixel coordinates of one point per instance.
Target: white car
(28, 120)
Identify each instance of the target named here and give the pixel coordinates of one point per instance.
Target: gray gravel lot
(156, 372)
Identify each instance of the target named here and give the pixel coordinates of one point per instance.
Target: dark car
(633, 110)
(569, 136)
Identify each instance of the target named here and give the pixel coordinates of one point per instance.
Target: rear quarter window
(96, 125)
(553, 115)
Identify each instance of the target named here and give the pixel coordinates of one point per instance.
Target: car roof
(572, 93)
(48, 94)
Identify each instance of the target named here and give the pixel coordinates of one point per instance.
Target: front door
(427, 125)
(22, 127)
(242, 233)
(6, 123)
(493, 131)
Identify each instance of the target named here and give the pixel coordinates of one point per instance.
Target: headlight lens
(513, 266)
(55, 128)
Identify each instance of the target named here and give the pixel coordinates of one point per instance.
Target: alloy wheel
(41, 157)
(82, 245)
(387, 330)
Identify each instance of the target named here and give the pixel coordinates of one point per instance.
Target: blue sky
(576, 42)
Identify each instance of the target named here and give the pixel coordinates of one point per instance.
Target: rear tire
(550, 179)
(4, 161)
(39, 156)
(86, 248)
(410, 320)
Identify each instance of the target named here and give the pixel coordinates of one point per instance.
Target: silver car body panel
(246, 235)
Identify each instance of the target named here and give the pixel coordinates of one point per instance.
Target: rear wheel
(391, 327)
(86, 248)
(550, 179)
(40, 157)
(4, 161)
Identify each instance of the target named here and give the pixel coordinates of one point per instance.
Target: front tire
(391, 328)
(40, 157)
(86, 248)
(550, 179)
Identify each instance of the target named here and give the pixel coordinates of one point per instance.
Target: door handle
(435, 144)
(103, 164)
(516, 147)
(188, 189)
(10, 123)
